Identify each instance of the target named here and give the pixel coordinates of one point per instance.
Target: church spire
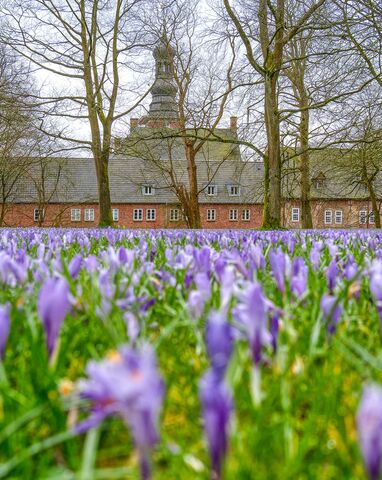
(163, 105)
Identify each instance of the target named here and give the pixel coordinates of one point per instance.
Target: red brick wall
(21, 215)
(350, 213)
(222, 216)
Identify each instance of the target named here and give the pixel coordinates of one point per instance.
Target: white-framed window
(115, 214)
(233, 214)
(148, 190)
(295, 214)
(371, 218)
(234, 190)
(151, 214)
(362, 217)
(211, 214)
(246, 214)
(174, 214)
(338, 217)
(89, 215)
(138, 214)
(75, 214)
(38, 215)
(212, 190)
(328, 217)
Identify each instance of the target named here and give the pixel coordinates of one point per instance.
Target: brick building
(148, 164)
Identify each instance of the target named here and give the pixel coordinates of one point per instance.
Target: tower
(163, 108)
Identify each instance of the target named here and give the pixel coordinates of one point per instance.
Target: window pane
(328, 216)
(295, 214)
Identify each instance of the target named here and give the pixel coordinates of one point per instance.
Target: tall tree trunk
(194, 208)
(105, 217)
(272, 205)
(368, 181)
(374, 204)
(100, 158)
(2, 213)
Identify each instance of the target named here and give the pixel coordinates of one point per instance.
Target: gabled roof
(128, 174)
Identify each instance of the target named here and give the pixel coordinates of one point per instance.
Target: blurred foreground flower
(128, 385)
(53, 305)
(217, 407)
(219, 340)
(215, 397)
(331, 312)
(5, 324)
(369, 426)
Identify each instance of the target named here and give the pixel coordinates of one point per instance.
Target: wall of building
(22, 215)
(350, 214)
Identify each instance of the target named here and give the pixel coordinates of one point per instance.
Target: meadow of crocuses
(190, 354)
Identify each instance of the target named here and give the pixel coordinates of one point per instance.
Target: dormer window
(212, 190)
(234, 190)
(319, 181)
(148, 190)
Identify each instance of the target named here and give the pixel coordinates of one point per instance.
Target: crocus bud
(53, 305)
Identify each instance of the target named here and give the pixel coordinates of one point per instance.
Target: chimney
(233, 125)
(134, 123)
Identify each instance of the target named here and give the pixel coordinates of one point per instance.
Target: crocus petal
(369, 426)
(5, 324)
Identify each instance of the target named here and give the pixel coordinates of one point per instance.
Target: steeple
(163, 105)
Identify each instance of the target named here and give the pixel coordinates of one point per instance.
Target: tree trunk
(105, 216)
(272, 204)
(194, 208)
(2, 213)
(374, 205)
(100, 158)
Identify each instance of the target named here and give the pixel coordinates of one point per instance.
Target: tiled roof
(128, 175)
(218, 164)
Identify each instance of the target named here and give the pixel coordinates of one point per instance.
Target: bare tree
(264, 31)
(85, 47)
(18, 139)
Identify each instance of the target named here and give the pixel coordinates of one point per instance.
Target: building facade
(149, 166)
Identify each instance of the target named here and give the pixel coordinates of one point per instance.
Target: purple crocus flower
(195, 304)
(75, 266)
(331, 311)
(275, 327)
(122, 255)
(132, 326)
(127, 385)
(331, 275)
(253, 314)
(53, 305)
(351, 270)
(299, 279)
(315, 256)
(376, 290)
(279, 265)
(198, 298)
(369, 426)
(219, 340)
(203, 284)
(5, 324)
(217, 406)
